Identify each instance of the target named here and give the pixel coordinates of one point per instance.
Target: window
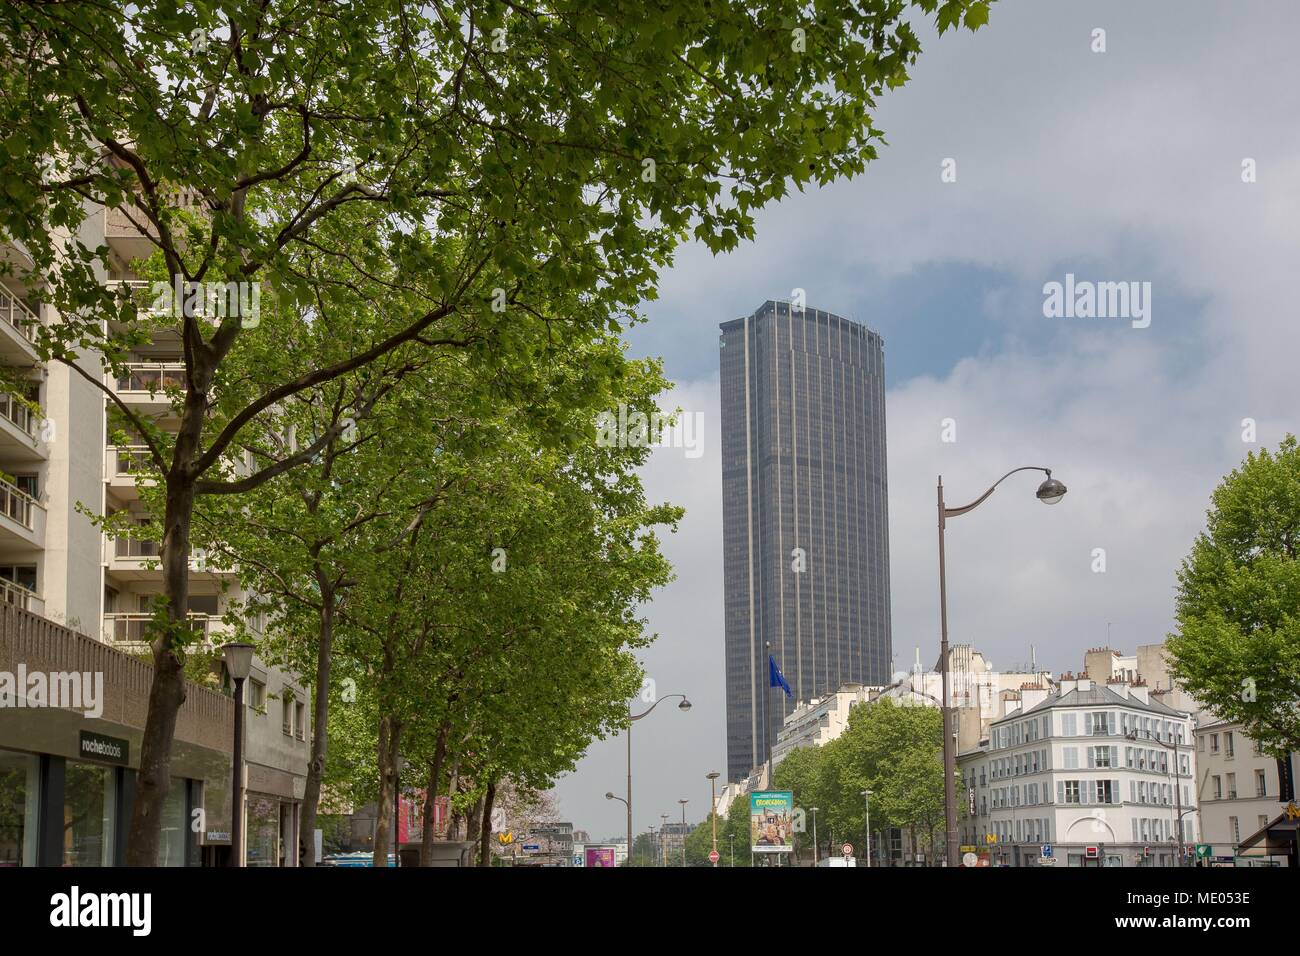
(300, 721)
(23, 575)
(1214, 743)
(19, 782)
(1261, 785)
(1263, 821)
(1071, 792)
(1069, 725)
(287, 703)
(1227, 744)
(1107, 791)
(1071, 758)
(1218, 787)
(257, 695)
(1232, 786)
(1100, 757)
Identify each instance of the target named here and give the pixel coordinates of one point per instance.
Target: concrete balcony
(150, 386)
(20, 432)
(128, 230)
(129, 631)
(22, 518)
(17, 322)
(20, 597)
(126, 469)
(137, 559)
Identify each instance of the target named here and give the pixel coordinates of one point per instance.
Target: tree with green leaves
(1237, 649)
(402, 178)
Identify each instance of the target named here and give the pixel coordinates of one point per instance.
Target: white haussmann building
(1097, 772)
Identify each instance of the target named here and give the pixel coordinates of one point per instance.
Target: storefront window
(18, 795)
(263, 829)
(175, 831)
(89, 805)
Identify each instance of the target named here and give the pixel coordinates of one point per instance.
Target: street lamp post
(866, 806)
(684, 706)
(1049, 492)
(663, 839)
(683, 803)
(1178, 773)
(713, 812)
(239, 661)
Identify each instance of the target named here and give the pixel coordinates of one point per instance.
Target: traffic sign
(1202, 851)
(713, 856)
(1046, 850)
(848, 850)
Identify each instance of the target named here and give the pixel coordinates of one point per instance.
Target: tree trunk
(485, 834)
(453, 790)
(321, 712)
(383, 813)
(431, 795)
(167, 691)
(474, 821)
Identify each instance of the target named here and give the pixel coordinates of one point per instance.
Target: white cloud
(1123, 165)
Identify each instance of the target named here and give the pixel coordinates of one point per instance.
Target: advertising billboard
(771, 821)
(600, 856)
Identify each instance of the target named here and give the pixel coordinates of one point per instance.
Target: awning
(1277, 838)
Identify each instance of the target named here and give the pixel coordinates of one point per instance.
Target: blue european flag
(775, 678)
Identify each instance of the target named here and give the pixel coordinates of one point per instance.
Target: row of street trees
(442, 204)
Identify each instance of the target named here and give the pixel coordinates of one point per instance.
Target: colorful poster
(600, 856)
(771, 821)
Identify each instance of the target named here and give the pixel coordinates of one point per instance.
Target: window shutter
(1114, 792)
(1060, 791)
(1091, 757)
(1087, 723)
(1114, 756)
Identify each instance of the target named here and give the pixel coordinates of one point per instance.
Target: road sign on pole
(1047, 849)
(848, 850)
(713, 856)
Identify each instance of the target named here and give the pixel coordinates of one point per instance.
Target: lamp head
(1050, 491)
(712, 776)
(684, 705)
(609, 796)
(239, 659)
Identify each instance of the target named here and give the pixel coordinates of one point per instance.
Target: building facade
(1240, 791)
(805, 515)
(63, 459)
(1098, 773)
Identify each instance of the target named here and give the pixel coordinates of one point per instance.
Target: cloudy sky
(1124, 165)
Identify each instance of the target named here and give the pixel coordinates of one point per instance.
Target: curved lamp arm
(954, 512)
(646, 712)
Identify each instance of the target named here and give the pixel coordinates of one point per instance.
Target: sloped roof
(1096, 695)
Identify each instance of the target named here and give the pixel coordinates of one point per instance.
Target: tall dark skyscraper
(805, 518)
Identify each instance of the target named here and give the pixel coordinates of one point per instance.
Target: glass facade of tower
(805, 514)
